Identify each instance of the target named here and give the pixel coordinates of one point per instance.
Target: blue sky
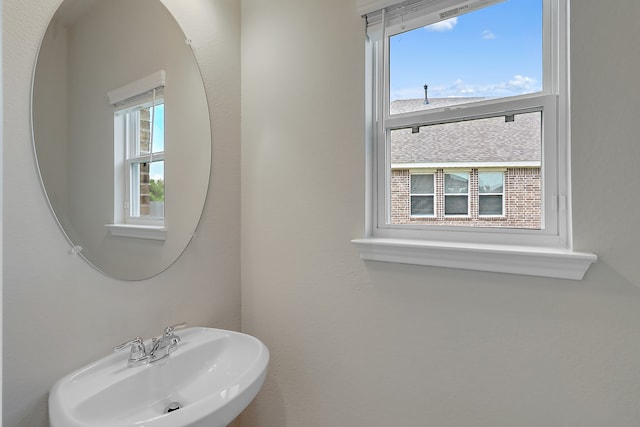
(157, 168)
(158, 128)
(491, 52)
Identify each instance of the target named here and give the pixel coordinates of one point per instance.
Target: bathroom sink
(207, 381)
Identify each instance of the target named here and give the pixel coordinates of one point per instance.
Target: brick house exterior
(145, 144)
(511, 147)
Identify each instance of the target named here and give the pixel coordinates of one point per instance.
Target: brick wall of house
(522, 203)
(145, 142)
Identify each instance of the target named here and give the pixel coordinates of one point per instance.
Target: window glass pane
(490, 182)
(488, 53)
(147, 189)
(158, 129)
(456, 183)
(139, 176)
(514, 144)
(156, 189)
(151, 117)
(456, 205)
(144, 189)
(490, 205)
(422, 205)
(422, 184)
(492, 140)
(144, 128)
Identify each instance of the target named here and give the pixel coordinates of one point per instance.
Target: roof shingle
(485, 140)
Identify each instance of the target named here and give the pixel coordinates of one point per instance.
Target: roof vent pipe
(426, 97)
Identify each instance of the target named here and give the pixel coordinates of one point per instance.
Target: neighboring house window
(422, 194)
(456, 194)
(490, 193)
(475, 198)
(478, 85)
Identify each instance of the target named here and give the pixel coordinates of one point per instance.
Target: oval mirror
(121, 133)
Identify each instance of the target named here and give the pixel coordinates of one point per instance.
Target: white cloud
(488, 35)
(408, 93)
(519, 82)
(517, 85)
(446, 25)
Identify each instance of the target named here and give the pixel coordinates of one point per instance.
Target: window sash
(453, 197)
(428, 12)
(404, 15)
(490, 195)
(133, 195)
(482, 173)
(551, 101)
(133, 157)
(422, 195)
(546, 104)
(426, 197)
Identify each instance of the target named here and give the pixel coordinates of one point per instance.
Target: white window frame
(132, 184)
(547, 252)
(433, 195)
(502, 194)
(446, 172)
(148, 91)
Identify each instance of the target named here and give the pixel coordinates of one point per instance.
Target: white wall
(54, 147)
(377, 344)
(59, 313)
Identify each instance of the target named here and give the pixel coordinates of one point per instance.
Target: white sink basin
(213, 374)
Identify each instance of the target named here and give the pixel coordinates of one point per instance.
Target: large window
(139, 166)
(476, 89)
(471, 85)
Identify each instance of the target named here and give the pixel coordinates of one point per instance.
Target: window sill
(524, 260)
(151, 232)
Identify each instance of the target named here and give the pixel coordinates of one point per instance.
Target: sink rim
(111, 370)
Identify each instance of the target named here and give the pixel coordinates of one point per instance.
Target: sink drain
(173, 406)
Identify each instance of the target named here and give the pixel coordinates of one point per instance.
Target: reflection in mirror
(126, 179)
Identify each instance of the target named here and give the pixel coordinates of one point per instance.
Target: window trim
(446, 172)
(502, 194)
(547, 253)
(432, 195)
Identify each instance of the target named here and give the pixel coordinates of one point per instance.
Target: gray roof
(487, 140)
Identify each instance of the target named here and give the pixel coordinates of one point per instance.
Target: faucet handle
(135, 344)
(138, 355)
(169, 329)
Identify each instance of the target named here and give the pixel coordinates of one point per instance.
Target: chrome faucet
(166, 344)
(161, 347)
